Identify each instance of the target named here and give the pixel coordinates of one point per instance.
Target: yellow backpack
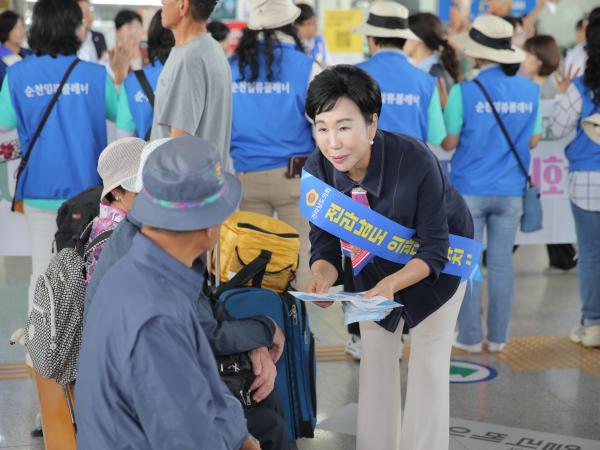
(245, 235)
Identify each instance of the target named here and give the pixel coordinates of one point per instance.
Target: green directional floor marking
(461, 371)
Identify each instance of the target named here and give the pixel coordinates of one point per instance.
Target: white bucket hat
(270, 14)
(118, 163)
(591, 127)
(136, 183)
(490, 38)
(387, 20)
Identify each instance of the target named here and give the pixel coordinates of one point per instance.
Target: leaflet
(354, 304)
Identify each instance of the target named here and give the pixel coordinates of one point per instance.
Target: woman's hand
(319, 285)
(564, 80)
(324, 274)
(385, 288)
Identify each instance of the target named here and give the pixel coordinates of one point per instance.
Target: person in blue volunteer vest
(63, 160)
(135, 113)
(487, 173)
(308, 30)
(411, 102)
(580, 100)
(12, 38)
(270, 75)
(399, 178)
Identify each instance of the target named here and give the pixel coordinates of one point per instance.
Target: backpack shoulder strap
(100, 239)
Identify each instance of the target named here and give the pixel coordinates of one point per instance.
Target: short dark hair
(341, 81)
(306, 12)
(544, 47)
(54, 26)
(218, 30)
(126, 16)
(8, 20)
(160, 39)
(390, 42)
(202, 9)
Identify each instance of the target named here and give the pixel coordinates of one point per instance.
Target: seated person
(225, 335)
(118, 165)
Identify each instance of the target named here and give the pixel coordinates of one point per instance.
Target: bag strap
(254, 271)
(100, 239)
(504, 131)
(41, 126)
(143, 80)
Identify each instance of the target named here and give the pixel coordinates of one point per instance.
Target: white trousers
(42, 227)
(427, 409)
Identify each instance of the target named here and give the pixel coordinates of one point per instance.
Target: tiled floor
(545, 384)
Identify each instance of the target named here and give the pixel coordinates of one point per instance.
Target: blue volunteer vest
(483, 163)
(583, 153)
(268, 124)
(140, 107)
(65, 156)
(406, 92)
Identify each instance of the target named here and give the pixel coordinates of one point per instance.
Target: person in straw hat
(411, 102)
(581, 99)
(271, 136)
(486, 172)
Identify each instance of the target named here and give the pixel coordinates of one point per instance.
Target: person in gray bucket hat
(185, 188)
(146, 369)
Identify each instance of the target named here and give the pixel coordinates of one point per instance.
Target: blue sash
(336, 213)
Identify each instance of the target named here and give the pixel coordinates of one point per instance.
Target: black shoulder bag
(143, 80)
(532, 219)
(41, 127)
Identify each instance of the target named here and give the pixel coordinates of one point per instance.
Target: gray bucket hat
(185, 188)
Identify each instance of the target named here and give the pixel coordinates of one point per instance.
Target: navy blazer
(404, 182)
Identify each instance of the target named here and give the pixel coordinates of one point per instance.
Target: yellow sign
(338, 30)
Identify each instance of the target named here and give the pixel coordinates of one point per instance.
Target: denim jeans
(587, 227)
(500, 216)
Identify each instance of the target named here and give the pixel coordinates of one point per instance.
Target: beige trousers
(427, 409)
(269, 192)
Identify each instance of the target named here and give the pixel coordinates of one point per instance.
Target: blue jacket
(225, 334)
(268, 124)
(65, 156)
(147, 377)
(582, 152)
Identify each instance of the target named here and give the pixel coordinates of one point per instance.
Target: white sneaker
(591, 336)
(353, 347)
(496, 347)
(471, 348)
(577, 334)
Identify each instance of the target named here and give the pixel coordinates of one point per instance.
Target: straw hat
(270, 14)
(387, 20)
(490, 38)
(591, 126)
(118, 163)
(136, 184)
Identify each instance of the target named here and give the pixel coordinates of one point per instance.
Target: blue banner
(338, 214)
